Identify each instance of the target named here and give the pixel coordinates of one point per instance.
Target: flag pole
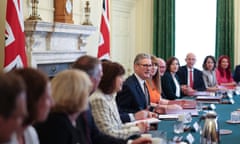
(2, 31)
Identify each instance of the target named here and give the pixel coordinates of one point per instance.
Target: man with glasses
(134, 95)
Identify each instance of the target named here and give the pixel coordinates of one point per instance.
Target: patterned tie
(191, 78)
(146, 93)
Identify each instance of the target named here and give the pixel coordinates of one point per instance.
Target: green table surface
(223, 111)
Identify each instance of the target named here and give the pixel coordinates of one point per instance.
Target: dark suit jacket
(198, 83)
(58, 129)
(236, 74)
(131, 98)
(86, 122)
(168, 86)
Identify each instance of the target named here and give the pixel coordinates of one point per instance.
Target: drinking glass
(235, 116)
(159, 137)
(199, 106)
(178, 127)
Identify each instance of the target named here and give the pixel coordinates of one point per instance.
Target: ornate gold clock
(63, 11)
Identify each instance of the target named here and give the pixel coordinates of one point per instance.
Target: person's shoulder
(197, 69)
(57, 118)
(30, 135)
(237, 67)
(98, 94)
(131, 79)
(205, 72)
(182, 68)
(166, 74)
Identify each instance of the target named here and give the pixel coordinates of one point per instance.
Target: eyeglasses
(145, 65)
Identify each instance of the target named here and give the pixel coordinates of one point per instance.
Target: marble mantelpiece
(55, 43)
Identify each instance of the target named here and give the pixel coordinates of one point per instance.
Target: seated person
(154, 88)
(170, 82)
(190, 78)
(209, 74)
(223, 72)
(154, 84)
(236, 74)
(85, 122)
(12, 105)
(104, 108)
(70, 90)
(134, 95)
(39, 102)
(161, 66)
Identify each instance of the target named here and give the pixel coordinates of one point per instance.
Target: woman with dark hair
(12, 105)
(170, 82)
(209, 74)
(155, 90)
(223, 72)
(39, 102)
(104, 108)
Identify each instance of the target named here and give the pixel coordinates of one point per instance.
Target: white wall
(131, 25)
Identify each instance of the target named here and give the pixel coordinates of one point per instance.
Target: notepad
(149, 120)
(168, 116)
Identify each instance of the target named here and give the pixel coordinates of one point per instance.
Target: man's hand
(143, 114)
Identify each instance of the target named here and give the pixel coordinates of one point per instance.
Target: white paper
(168, 116)
(149, 120)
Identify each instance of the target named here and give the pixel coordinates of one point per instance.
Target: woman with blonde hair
(70, 91)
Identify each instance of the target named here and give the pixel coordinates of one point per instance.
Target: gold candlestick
(34, 16)
(87, 11)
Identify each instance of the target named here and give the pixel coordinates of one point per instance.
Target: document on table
(168, 116)
(149, 120)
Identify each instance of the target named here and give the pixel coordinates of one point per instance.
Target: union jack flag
(104, 40)
(15, 50)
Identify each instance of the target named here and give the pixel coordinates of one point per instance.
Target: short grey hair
(88, 64)
(140, 57)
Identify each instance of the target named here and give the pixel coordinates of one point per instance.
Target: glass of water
(178, 127)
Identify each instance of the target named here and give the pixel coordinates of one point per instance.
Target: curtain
(164, 28)
(225, 29)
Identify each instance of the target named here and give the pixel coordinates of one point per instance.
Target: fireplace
(52, 47)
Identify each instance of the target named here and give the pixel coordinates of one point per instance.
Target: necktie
(190, 79)
(146, 93)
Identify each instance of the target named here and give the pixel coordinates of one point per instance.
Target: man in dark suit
(236, 74)
(190, 78)
(134, 96)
